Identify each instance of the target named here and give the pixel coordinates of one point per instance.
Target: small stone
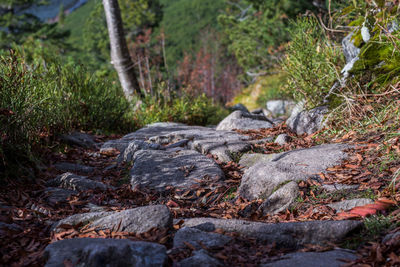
(282, 139)
(79, 139)
(346, 205)
(243, 121)
(279, 107)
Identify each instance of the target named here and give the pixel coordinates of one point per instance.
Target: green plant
(312, 62)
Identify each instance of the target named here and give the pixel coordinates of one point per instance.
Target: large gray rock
(137, 220)
(285, 235)
(104, 252)
(143, 134)
(281, 199)
(75, 182)
(158, 169)
(333, 258)
(280, 107)
(349, 204)
(243, 121)
(198, 239)
(79, 139)
(200, 258)
(72, 167)
(262, 179)
(307, 121)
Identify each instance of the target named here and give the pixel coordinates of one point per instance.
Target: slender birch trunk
(120, 57)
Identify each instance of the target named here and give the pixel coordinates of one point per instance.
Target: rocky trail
(254, 191)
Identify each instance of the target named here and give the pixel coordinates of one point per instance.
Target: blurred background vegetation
(192, 57)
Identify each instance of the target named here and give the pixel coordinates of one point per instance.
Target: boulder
(333, 258)
(307, 121)
(72, 167)
(137, 220)
(280, 107)
(104, 252)
(349, 204)
(79, 139)
(75, 182)
(285, 235)
(281, 199)
(260, 180)
(243, 121)
(157, 169)
(200, 258)
(199, 239)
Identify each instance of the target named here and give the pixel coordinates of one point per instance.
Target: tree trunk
(120, 57)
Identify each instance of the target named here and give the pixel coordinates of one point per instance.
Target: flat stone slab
(157, 169)
(72, 167)
(137, 220)
(333, 258)
(349, 204)
(75, 182)
(104, 252)
(198, 239)
(285, 235)
(260, 180)
(244, 121)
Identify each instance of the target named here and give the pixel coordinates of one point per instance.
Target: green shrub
(40, 100)
(312, 62)
(192, 110)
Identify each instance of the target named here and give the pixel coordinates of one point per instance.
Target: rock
(349, 204)
(307, 121)
(202, 139)
(143, 134)
(198, 239)
(55, 195)
(75, 182)
(260, 180)
(200, 258)
(137, 220)
(249, 160)
(257, 111)
(243, 121)
(350, 51)
(240, 107)
(133, 147)
(79, 139)
(104, 252)
(390, 238)
(72, 167)
(282, 139)
(157, 169)
(338, 187)
(285, 235)
(333, 258)
(280, 107)
(281, 199)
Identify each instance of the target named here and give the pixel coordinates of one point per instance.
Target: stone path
(171, 155)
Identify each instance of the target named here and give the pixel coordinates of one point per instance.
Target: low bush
(40, 100)
(312, 63)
